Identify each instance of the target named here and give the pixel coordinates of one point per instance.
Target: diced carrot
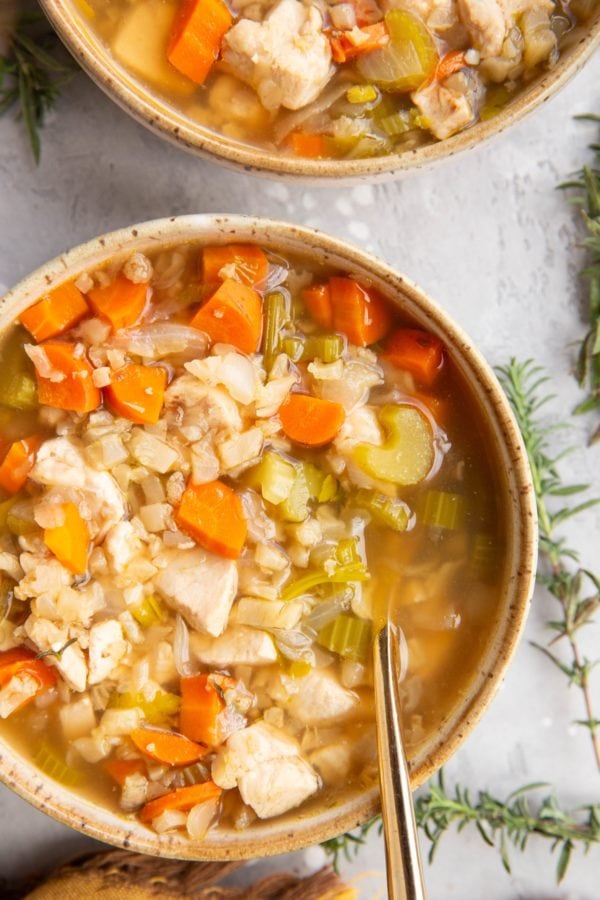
(21, 661)
(122, 303)
(233, 315)
(248, 261)
(56, 312)
(195, 41)
(76, 391)
(167, 747)
(201, 705)
(18, 463)
(346, 45)
(70, 541)
(182, 799)
(450, 63)
(417, 352)
(120, 769)
(311, 146)
(213, 515)
(138, 393)
(358, 312)
(311, 421)
(317, 299)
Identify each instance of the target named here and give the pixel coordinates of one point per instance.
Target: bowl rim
(150, 110)
(283, 836)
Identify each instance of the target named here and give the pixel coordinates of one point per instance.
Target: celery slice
(362, 93)
(17, 386)
(162, 706)
(295, 508)
(326, 347)
(277, 315)
(274, 476)
(294, 347)
(343, 575)
(150, 612)
(49, 761)
(407, 455)
(388, 511)
(440, 509)
(348, 636)
(407, 61)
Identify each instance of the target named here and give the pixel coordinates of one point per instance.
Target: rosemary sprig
(511, 821)
(347, 845)
(32, 74)
(576, 589)
(587, 196)
(57, 653)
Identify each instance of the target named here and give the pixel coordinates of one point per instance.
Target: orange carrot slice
(76, 391)
(120, 769)
(201, 705)
(317, 299)
(349, 45)
(138, 393)
(70, 541)
(311, 146)
(213, 515)
(195, 41)
(18, 463)
(450, 63)
(122, 303)
(248, 261)
(417, 352)
(311, 421)
(167, 747)
(55, 313)
(360, 313)
(21, 661)
(182, 799)
(233, 315)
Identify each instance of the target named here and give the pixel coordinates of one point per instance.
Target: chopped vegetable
(201, 706)
(75, 390)
(407, 455)
(149, 612)
(195, 42)
(360, 313)
(194, 774)
(120, 769)
(321, 486)
(343, 567)
(274, 476)
(162, 706)
(311, 146)
(213, 515)
(450, 63)
(17, 385)
(167, 747)
(243, 262)
(295, 507)
(69, 541)
(18, 463)
(51, 763)
(317, 299)
(347, 45)
(182, 799)
(277, 315)
(55, 313)
(233, 315)
(326, 347)
(362, 93)
(19, 524)
(122, 303)
(348, 637)
(21, 661)
(387, 511)
(311, 421)
(440, 509)
(138, 393)
(417, 352)
(407, 61)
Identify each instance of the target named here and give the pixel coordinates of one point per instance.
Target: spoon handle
(404, 869)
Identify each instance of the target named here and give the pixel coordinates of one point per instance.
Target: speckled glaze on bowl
(158, 115)
(317, 823)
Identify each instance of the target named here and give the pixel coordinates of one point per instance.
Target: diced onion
(181, 648)
(169, 820)
(161, 339)
(200, 818)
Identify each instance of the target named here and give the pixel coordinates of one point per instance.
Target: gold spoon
(403, 857)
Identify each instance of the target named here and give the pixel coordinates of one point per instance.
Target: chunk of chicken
(486, 23)
(320, 698)
(333, 761)
(199, 585)
(107, 648)
(238, 646)
(265, 764)
(286, 58)
(70, 662)
(60, 463)
(121, 545)
(449, 106)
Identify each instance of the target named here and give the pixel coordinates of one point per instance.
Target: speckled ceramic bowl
(319, 821)
(158, 115)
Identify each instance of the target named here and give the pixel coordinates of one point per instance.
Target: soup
(345, 80)
(218, 465)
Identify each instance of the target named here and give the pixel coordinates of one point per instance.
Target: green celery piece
(441, 509)
(277, 315)
(407, 61)
(326, 347)
(343, 575)
(294, 347)
(407, 454)
(53, 764)
(395, 124)
(295, 508)
(388, 511)
(348, 636)
(149, 612)
(274, 476)
(162, 706)
(18, 388)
